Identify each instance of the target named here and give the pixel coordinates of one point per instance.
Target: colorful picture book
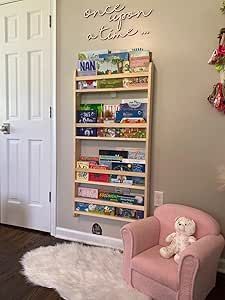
(113, 63)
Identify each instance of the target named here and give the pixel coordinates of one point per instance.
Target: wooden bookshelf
(120, 142)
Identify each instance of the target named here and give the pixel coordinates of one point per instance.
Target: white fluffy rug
(79, 272)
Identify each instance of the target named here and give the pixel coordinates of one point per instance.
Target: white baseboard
(221, 267)
(87, 238)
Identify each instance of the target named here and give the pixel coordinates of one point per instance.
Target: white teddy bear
(179, 240)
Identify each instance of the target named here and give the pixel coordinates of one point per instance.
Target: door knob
(5, 129)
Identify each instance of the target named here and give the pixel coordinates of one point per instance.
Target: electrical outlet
(158, 198)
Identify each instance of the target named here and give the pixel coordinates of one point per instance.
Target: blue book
(89, 116)
(128, 114)
(87, 132)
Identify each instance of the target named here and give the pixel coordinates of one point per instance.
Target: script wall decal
(117, 15)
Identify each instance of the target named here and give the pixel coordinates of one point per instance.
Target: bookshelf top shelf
(112, 76)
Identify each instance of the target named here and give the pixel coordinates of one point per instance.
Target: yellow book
(83, 176)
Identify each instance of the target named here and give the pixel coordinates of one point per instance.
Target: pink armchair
(145, 270)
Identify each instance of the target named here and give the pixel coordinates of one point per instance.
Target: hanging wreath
(223, 7)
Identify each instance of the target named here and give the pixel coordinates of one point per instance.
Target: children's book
(118, 166)
(109, 83)
(83, 176)
(139, 60)
(89, 116)
(86, 67)
(87, 84)
(93, 55)
(113, 63)
(96, 107)
(86, 131)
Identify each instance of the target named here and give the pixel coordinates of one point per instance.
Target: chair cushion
(150, 264)
(166, 214)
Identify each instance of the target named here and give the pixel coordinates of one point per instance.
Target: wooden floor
(15, 242)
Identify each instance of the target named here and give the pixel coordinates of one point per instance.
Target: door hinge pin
(50, 197)
(50, 112)
(50, 21)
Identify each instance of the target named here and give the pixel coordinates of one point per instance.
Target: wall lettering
(117, 15)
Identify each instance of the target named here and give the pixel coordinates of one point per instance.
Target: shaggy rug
(79, 272)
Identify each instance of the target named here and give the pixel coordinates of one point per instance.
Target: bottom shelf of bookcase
(115, 218)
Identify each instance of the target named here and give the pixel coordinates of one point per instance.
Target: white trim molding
(53, 124)
(221, 267)
(88, 238)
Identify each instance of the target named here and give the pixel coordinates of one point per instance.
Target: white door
(25, 96)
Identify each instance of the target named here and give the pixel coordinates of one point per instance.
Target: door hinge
(50, 112)
(50, 197)
(50, 21)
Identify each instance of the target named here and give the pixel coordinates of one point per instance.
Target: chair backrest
(206, 225)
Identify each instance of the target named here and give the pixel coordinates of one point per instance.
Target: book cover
(109, 196)
(126, 114)
(96, 107)
(87, 132)
(106, 132)
(113, 63)
(136, 167)
(93, 159)
(98, 177)
(119, 166)
(135, 82)
(109, 83)
(139, 60)
(83, 176)
(89, 116)
(92, 55)
(137, 154)
(86, 192)
(134, 105)
(86, 67)
(87, 84)
(113, 154)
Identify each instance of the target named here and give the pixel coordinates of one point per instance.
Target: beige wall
(188, 135)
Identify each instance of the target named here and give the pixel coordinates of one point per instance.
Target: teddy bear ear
(177, 218)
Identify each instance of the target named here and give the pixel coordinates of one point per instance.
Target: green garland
(223, 7)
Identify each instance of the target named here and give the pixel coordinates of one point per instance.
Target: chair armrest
(141, 235)
(198, 266)
(138, 237)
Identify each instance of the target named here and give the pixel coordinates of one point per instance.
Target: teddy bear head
(185, 226)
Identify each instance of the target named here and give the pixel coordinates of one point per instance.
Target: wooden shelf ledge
(97, 138)
(115, 218)
(112, 76)
(109, 203)
(112, 172)
(121, 185)
(107, 90)
(111, 125)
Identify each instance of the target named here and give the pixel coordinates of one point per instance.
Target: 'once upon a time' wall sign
(116, 14)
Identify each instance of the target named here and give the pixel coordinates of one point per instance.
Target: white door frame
(53, 104)
(54, 127)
